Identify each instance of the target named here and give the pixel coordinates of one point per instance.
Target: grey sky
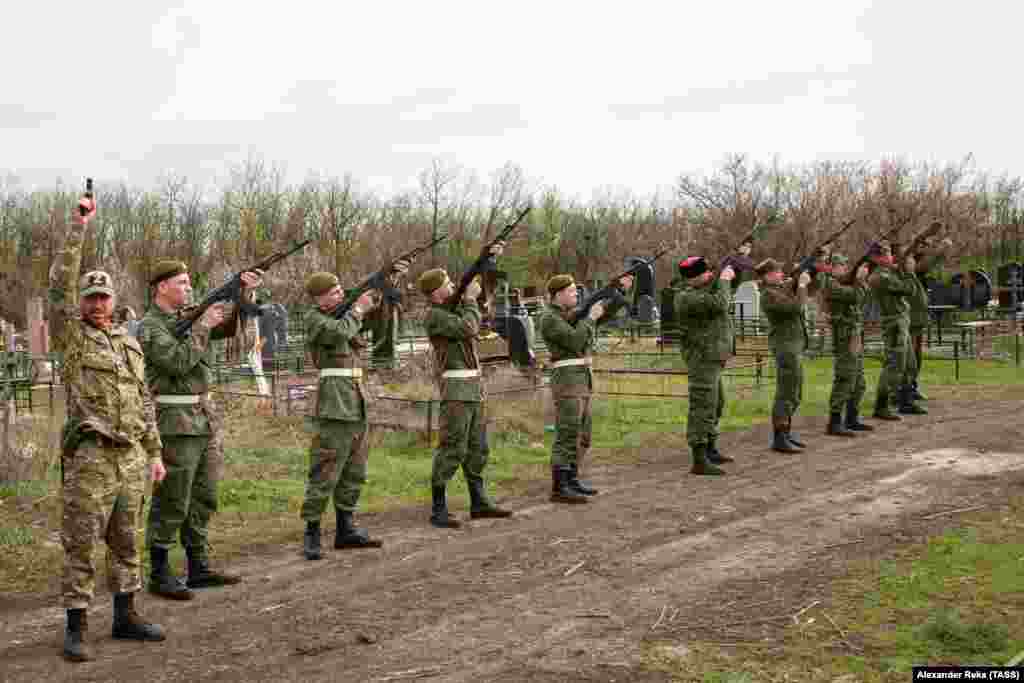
(580, 95)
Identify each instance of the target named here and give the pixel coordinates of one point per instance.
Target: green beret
(559, 282)
(431, 280)
(320, 283)
(839, 259)
(167, 269)
(769, 265)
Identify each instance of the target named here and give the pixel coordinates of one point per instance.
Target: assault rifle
(612, 290)
(485, 261)
(230, 291)
(381, 280)
(807, 264)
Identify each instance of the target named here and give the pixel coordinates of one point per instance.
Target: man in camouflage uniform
(787, 340)
(339, 451)
(177, 371)
(920, 263)
(741, 264)
(463, 428)
(846, 307)
(703, 308)
(892, 287)
(110, 443)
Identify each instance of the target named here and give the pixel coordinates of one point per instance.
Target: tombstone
(669, 332)
(646, 309)
(38, 333)
(975, 289)
(749, 295)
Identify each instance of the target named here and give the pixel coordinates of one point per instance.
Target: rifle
(740, 263)
(612, 290)
(885, 236)
(485, 261)
(807, 263)
(230, 291)
(381, 281)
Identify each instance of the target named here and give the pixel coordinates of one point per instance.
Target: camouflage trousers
(103, 495)
(187, 497)
(707, 401)
(789, 384)
(338, 457)
(462, 442)
(848, 382)
(896, 340)
(573, 426)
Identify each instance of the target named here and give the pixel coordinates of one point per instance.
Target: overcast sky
(580, 94)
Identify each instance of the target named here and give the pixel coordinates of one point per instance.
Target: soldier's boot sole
(137, 629)
(213, 580)
(708, 470)
(178, 591)
(912, 410)
(795, 441)
(490, 513)
(780, 444)
(860, 427)
(568, 498)
(719, 459)
(891, 417)
(356, 541)
(446, 522)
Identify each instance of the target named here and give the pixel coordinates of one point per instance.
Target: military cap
(559, 282)
(839, 259)
(96, 282)
(876, 248)
(693, 266)
(769, 265)
(432, 280)
(320, 283)
(821, 252)
(167, 269)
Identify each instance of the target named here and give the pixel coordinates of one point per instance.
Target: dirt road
(567, 593)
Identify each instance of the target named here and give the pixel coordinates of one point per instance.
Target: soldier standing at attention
(177, 371)
(846, 307)
(787, 340)
(892, 288)
(339, 452)
(572, 384)
(463, 428)
(703, 308)
(110, 444)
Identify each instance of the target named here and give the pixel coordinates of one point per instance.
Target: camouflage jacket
(703, 315)
(453, 337)
(181, 368)
(918, 301)
(103, 370)
(845, 304)
(787, 330)
(892, 288)
(335, 344)
(566, 342)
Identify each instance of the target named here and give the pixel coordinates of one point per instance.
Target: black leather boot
(201, 575)
(701, 462)
(311, 541)
(853, 418)
(883, 411)
(480, 504)
(162, 580)
(129, 625)
(791, 437)
(578, 484)
(915, 392)
(836, 426)
(439, 515)
(714, 455)
(780, 436)
(75, 649)
(346, 535)
(906, 401)
(561, 490)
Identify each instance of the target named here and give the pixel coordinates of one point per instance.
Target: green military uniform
(787, 340)
(572, 384)
(178, 374)
(706, 340)
(109, 442)
(845, 304)
(892, 289)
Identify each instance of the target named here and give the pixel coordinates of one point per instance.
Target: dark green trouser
(707, 401)
(915, 342)
(187, 497)
(789, 384)
(572, 430)
(463, 442)
(896, 340)
(337, 466)
(848, 383)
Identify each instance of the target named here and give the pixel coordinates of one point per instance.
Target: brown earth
(564, 593)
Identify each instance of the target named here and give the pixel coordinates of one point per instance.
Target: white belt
(341, 372)
(571, 361)
(178, 400)
(460, 374)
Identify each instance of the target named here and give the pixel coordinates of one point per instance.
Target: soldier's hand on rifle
(86, 205)
(252, 279)
(596, 311)
(805, 279)
(626, 282)
(728, 274)
(497, 248)
(401, 267)
(157, 472)
(213, 316)
(862, 272)
(367, 301)
(946, 243)
(473, 290)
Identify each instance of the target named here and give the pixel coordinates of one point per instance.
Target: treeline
(217, 230)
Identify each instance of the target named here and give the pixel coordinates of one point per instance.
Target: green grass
(15, 535)
(27, 489)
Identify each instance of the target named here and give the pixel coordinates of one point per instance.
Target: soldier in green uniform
(846, 309)
(572, 384)
(920, 263)
(177, 371)
(110, 444)
(463, 428)
(703, 307)
(787, 340)
(339, 452)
